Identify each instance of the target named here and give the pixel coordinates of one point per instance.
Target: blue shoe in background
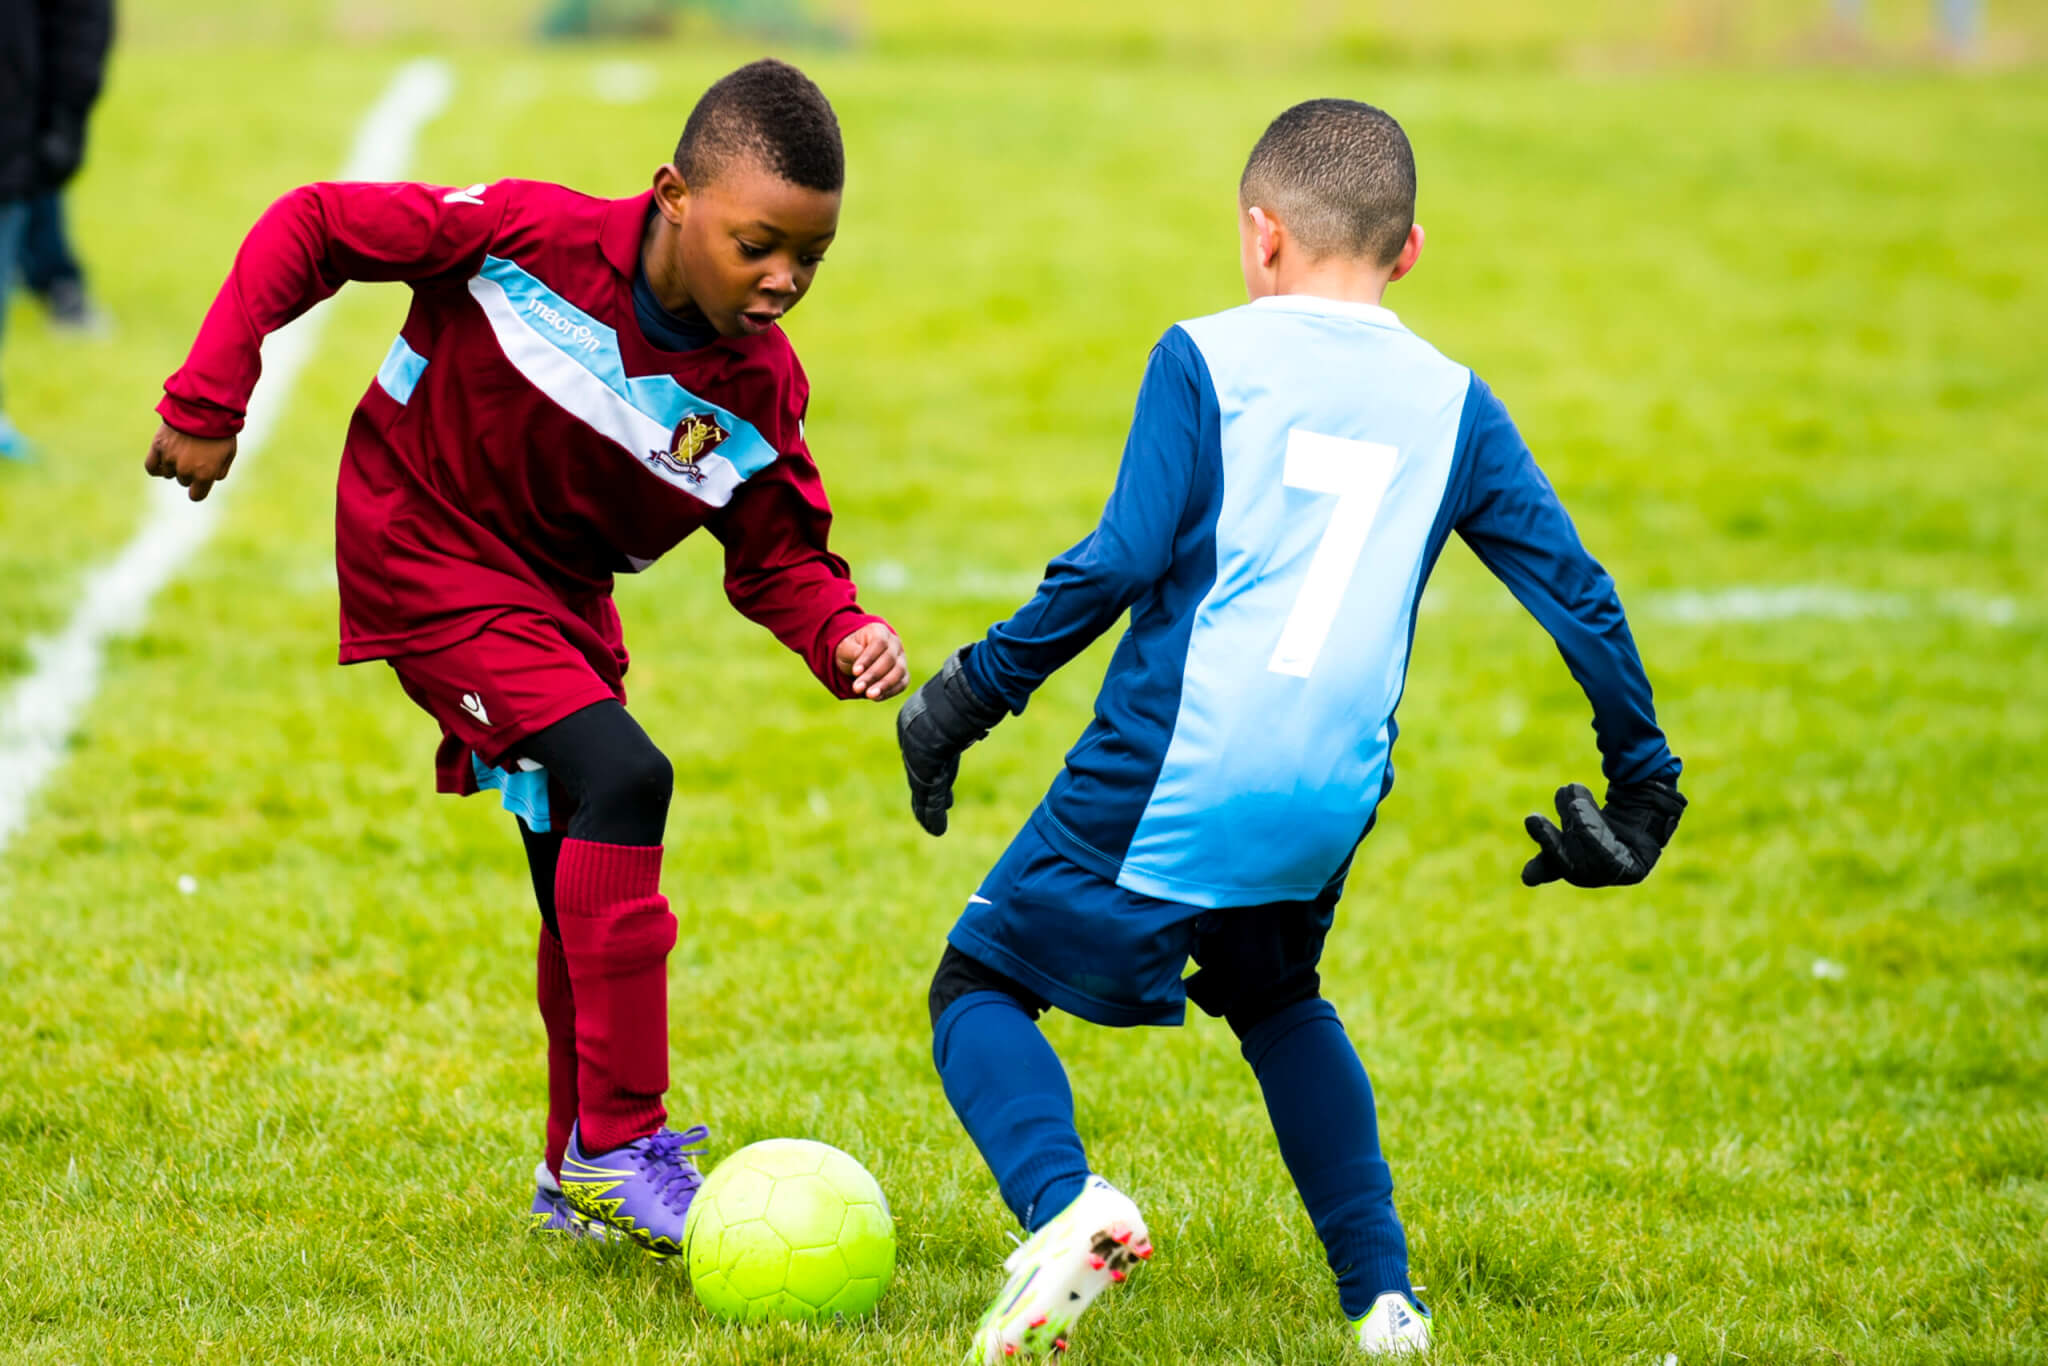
(13, 445)
(552, 1212)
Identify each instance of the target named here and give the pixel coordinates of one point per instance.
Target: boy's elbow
(295, 221)
(1117, 573)
(299, 202)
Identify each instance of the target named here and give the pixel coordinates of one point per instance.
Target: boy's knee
(647, 777)
(1253, 1008)
(626, 801)
(959, 975)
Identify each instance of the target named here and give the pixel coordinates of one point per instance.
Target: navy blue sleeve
(1085, 590)
(1510, 516)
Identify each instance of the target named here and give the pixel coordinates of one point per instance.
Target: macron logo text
(568, 329)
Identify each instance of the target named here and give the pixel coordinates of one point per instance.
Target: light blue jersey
(1293, 470)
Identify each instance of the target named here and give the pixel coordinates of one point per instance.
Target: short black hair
(770, 111)
(1340, 174)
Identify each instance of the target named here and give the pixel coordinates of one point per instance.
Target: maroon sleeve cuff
(835, 630)
(198, 418)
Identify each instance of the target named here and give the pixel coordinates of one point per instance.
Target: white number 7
(1358, 473)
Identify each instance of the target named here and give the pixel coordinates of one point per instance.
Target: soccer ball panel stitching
(790, 1229)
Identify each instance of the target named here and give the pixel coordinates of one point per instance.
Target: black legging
(606, 782)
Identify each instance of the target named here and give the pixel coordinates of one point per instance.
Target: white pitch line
(624, 82)
(1792, 602)
(42, 711)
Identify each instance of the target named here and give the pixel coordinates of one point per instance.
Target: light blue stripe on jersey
(1338, 432)
(595, 347)
(400, 373)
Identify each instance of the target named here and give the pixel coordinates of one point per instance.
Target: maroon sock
(558, 1013)
(616, 934)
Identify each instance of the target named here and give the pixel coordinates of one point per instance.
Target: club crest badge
(696, 436)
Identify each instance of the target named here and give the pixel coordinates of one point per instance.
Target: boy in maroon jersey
(581, 383)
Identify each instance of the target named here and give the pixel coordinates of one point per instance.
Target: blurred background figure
(1956, 23)
(52, 53)
(50, 270)
(787, 20)
(12, 215)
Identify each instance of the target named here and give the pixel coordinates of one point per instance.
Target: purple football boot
(552, 1212)
(643, 1189)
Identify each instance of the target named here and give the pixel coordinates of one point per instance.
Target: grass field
(1778, 336)
(1490, 33)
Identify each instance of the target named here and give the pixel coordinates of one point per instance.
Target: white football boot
(1057, 1272)
(1392, 1327)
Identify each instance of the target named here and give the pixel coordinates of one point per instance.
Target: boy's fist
(873, 658)
(197, 462)
(941, 719)
(1611, 846)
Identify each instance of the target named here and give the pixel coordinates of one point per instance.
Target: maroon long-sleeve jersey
(523, 441)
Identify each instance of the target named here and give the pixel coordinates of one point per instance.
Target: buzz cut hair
(768, 112)
(1340, 175)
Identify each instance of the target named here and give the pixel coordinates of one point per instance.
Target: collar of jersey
(1341, 308)
(624, 224)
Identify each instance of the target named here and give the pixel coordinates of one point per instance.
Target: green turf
(1489, 33)
(1764, 330)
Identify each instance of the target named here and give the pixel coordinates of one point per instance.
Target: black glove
(941, 719)
(1615, 846)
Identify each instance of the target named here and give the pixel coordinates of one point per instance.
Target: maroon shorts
(518, 675)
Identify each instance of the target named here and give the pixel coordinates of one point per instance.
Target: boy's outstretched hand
(873, 658)
(940, 720)
(197, 462)
(1614, 846)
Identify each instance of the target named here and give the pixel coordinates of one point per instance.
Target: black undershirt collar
(661, 328)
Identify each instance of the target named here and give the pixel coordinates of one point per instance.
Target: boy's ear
(1266, 233)
(1410, 253)
(671, 193)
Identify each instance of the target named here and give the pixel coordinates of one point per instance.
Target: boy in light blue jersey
(1292, 472)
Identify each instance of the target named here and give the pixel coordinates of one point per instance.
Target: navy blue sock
(1011, 1094)
(1321, 1105)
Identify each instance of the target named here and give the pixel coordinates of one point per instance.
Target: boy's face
(747, 244)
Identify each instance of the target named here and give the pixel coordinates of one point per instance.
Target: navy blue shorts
(1115, 957)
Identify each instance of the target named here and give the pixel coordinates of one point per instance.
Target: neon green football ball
(789, 1229)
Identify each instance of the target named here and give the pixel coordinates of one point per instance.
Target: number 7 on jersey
(1358, 473)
